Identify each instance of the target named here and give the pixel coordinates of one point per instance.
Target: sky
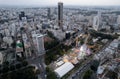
(66, 2)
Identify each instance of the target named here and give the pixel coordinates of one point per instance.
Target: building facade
(39, 43)
(60, 15)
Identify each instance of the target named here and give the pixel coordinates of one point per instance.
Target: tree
(50, 74)
(24, 63)
(87, 74)
(95, 65)
(12, 67)
(22, 73)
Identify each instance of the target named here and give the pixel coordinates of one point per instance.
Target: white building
(8, 40)
(118, 19)
(59, 34)
(13, 29)
(7, 32)
(97, 22)
(39, 43)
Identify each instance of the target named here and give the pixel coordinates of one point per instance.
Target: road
(35, 61)
(81, 70)
(40, 64)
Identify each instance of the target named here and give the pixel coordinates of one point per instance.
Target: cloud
(54, 2)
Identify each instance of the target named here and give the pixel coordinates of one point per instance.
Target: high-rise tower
(97, 22)
(60, 15)
(118, 19)
(39, 43)
(49, 13)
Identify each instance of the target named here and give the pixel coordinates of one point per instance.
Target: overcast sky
(54, 2)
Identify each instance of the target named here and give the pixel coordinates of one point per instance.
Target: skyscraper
(39, 43)
(97, 22)
(60, 15)
(118, 19)
(49, 13)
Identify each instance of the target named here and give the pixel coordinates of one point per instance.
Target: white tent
(65, 68)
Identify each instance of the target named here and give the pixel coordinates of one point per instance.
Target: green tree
(95, 65)
(23, 73)
(87, 74)
(50, 74)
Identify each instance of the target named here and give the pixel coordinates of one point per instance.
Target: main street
(39, 62)
(81, 70)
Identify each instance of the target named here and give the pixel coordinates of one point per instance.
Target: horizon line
(56, 6)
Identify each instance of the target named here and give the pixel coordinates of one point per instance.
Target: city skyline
(54, 2)
(59, 39)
